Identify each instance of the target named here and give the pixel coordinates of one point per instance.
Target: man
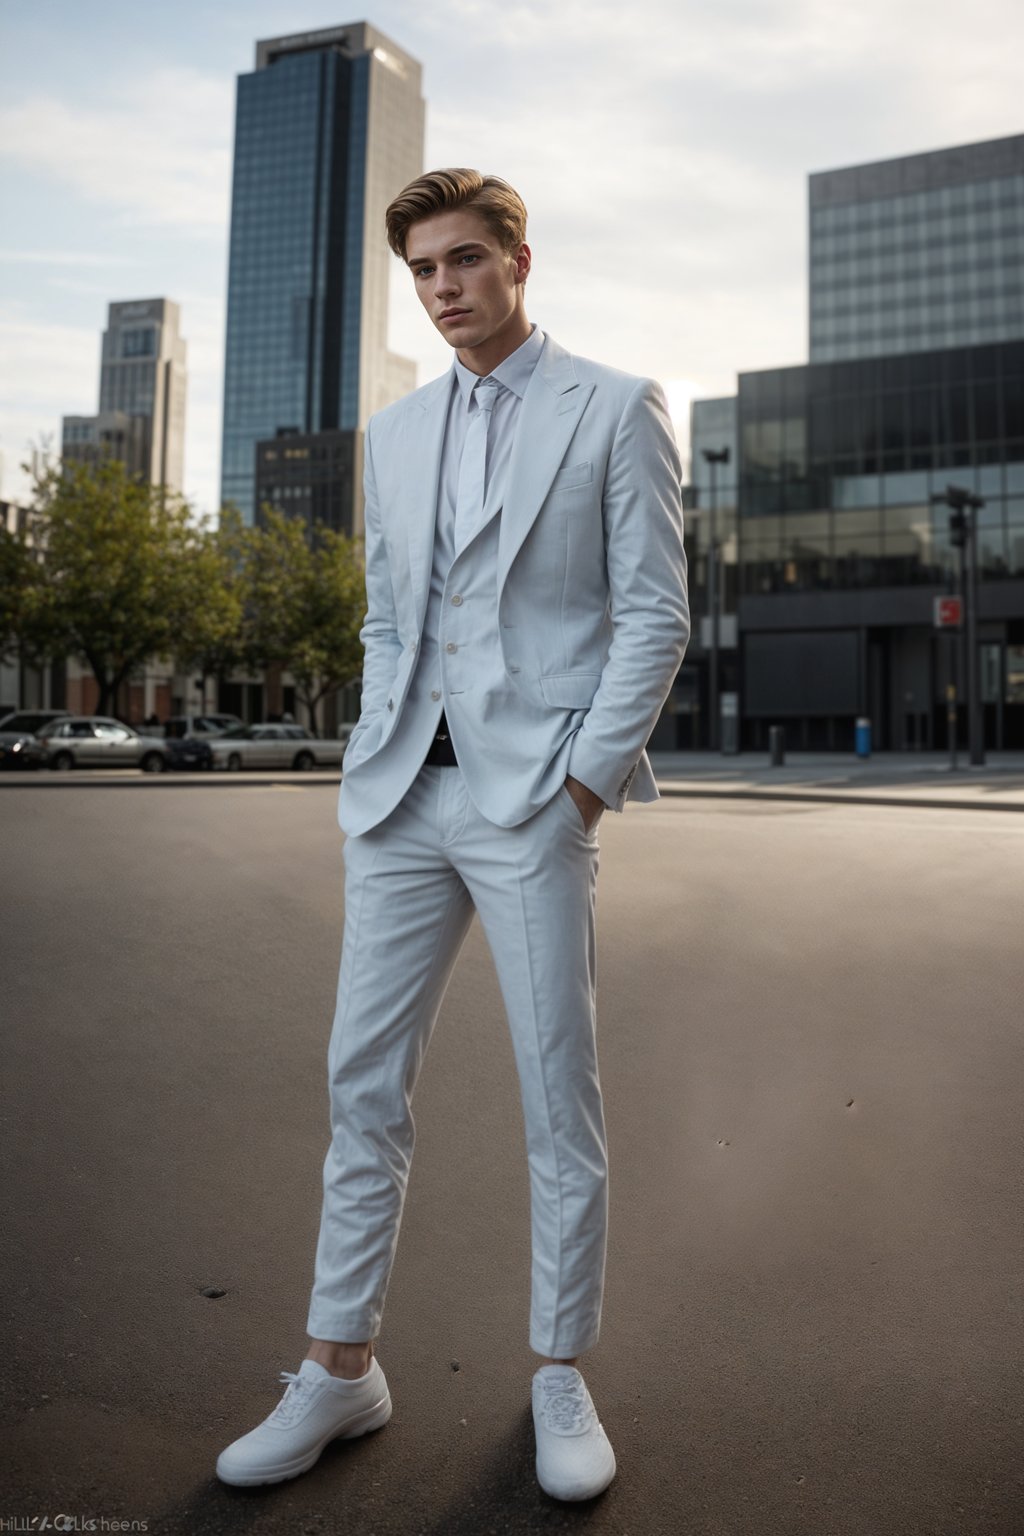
(526, 615)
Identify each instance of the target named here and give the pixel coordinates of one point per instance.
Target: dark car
(20, 750)
(31, 721)
(189, 752)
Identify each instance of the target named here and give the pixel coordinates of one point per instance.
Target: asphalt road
(811, 1021)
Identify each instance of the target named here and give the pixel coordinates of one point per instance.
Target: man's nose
(445, 283)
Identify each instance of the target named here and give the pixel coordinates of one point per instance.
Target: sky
(662, 149)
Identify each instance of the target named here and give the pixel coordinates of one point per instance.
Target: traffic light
(958, 529)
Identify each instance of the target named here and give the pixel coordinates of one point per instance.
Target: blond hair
(498, 204)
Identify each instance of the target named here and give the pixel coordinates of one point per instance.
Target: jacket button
(435, 694)
(456, 601)
(451, 647)
(391, 703)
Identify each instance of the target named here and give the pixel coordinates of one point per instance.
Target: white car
(274, 746)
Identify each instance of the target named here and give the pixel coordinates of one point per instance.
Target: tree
(210, 606)
(18, 583)
(307, 601)
(112, 549)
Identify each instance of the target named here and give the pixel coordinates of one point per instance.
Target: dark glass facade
(841, 548)
(316, 476)
(293, 328)
(918, 253)
(916, 383)
(839, 461)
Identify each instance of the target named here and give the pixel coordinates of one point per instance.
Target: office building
(919, 253)
(842, 551)
(916, 382)
(316, 476)
(328, 128)
(143, 380)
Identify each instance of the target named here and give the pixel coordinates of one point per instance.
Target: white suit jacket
(574, 597)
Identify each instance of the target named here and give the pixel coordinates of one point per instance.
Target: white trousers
(411, 886)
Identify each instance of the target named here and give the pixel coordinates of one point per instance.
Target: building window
(140, 342)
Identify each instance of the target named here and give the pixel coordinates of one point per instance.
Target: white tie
(469, 505)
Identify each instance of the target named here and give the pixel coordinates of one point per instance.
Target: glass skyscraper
(328, 128)
(918, 253)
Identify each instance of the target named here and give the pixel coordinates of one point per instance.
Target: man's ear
(523, 259)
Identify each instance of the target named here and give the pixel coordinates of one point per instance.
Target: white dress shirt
(513, 375)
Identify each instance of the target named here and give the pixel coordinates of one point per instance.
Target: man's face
(469, 286)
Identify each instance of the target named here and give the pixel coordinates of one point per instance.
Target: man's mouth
(452, 314)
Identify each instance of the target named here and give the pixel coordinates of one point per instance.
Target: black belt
(442, 751)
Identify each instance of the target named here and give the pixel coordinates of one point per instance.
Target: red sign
(948, 612)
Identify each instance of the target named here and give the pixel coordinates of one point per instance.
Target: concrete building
(328, 128)
(834, 550)
(143, 382)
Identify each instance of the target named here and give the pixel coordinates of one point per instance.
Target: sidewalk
(886, 778)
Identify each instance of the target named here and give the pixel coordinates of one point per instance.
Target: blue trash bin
(862, 737)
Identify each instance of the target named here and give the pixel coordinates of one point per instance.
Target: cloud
(47, 371)
(37, 356)
(157, 153)
(64, 259)
(663, 151)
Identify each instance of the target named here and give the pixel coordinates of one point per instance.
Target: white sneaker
(316, 1408)
(574, 1457)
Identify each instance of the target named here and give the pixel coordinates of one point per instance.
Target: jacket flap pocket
(570, 690)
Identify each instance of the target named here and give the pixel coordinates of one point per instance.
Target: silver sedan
(97, 741)
(274, 746)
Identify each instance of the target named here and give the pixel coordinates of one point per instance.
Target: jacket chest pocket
(572, 477)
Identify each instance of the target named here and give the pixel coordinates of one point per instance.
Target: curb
(677, 791)
(838, 797)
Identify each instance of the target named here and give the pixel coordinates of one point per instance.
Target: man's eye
(423, 271)
(469, 256)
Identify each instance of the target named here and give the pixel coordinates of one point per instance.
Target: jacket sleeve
(379, 634)
(642, 514)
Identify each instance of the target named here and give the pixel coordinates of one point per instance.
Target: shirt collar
(514, 373)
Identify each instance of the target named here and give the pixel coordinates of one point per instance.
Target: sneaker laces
(565, 1406)
(295, 1400)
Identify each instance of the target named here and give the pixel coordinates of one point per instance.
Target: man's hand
(588, 804)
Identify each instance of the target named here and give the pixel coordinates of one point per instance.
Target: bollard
(777, 745)
(862, 737)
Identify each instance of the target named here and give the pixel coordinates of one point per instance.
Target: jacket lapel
(424, 440)
(552, 407)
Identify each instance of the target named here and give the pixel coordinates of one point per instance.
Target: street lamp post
(963, 531)
(713, 457)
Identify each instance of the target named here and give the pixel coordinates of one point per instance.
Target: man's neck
(483, 359)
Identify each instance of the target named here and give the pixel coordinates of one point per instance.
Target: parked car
(274, 746)
(189, 752)
(31, 720)
(177, 726)
(20, 750)
(97, 741)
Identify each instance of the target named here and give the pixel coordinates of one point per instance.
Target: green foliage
(116, 572)
(306, 604)
(209, 620)
(18, 583)
(111, 549)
